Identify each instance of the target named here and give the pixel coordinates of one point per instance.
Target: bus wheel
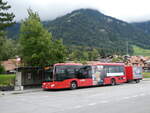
(73, 85)
(113, 82)
(137, 81)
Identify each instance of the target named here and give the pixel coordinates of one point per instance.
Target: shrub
(2, 69)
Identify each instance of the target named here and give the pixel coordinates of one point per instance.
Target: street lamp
(18, 59)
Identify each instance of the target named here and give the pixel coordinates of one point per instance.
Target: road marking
(92, 104)
(104, 101)
(126, 97)
(134, 96)
(79, 106)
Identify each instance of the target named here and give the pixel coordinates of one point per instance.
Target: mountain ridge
(88, 27)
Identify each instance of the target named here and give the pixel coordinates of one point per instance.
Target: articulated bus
(74, 75)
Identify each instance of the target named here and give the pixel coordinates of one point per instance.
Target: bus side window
(80, 73)
(116, 69)
(84, 73)
(121, 69)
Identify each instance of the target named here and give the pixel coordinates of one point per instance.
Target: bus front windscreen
(66, 72)
(48, 75)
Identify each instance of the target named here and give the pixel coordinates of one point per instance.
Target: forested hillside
(13, 31)
(145, 26)
(90, 28)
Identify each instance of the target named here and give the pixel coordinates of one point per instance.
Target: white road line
(104, 101)
(79, 106)
(134, 96)
(92, 104)
(126, 97)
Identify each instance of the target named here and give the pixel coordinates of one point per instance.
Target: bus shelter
(28, 77)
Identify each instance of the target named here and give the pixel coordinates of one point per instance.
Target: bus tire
(73, 85)
(113, 82)
(137, 80)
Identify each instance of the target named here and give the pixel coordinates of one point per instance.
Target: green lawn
(7, 79)
(140, 51)
(146, 74)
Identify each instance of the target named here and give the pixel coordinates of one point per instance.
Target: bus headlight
(44, 84)
(52, 85)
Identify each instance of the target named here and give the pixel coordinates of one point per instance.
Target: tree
(1, 47)
(117, 59)
(59, 51)
(93, 55)
(8, 48)
(6, 18)
(2, 69)
(82, 53)
(73, 56)
(37, 47)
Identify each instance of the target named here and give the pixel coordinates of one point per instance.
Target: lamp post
(18, 79)
(18, 59)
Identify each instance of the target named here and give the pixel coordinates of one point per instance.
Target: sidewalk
(3, 93)
(146, 79)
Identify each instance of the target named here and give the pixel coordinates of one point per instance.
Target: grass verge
(7, 79)
(146, 74)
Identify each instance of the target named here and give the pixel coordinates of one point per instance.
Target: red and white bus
(73, 75)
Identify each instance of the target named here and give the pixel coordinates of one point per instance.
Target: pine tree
(6, 18)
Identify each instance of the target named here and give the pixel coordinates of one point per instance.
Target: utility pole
(127, 44)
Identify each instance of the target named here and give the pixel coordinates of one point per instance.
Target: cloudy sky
(127, 10)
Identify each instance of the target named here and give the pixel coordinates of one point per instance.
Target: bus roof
(58, 64)
(101, 63)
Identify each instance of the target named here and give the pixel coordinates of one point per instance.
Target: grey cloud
(50, 9)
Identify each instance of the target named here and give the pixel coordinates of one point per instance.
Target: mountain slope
(13, 31)
(92, 28)
(145, 26)
(87, 27)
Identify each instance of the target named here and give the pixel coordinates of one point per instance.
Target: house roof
(10, 64)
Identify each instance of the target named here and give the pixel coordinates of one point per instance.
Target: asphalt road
(125, 98)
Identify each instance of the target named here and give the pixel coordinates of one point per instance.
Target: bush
(1, 69)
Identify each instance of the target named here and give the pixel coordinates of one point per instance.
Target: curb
(4, 93)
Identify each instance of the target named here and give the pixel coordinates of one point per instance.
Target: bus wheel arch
(113, 81)
(73, 85)
(137, 80)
